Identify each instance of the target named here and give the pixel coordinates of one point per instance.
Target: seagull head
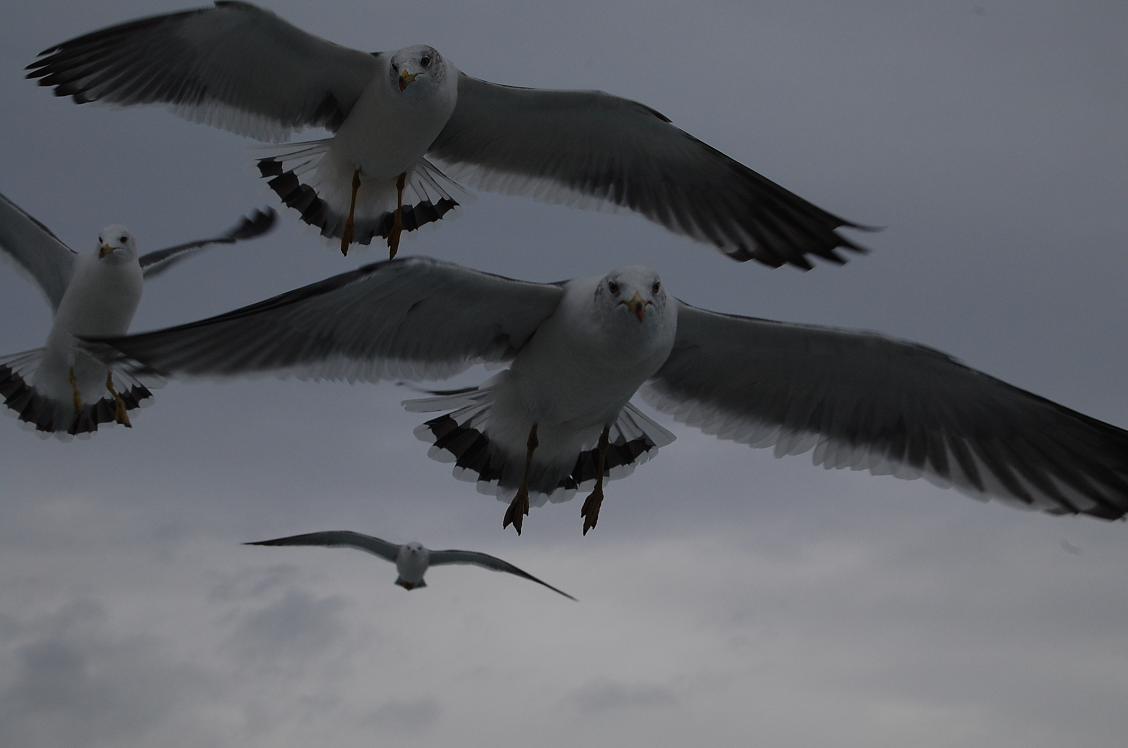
(634, 294)
(419, 68)
(115, 244)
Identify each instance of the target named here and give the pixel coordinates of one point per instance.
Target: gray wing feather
(250, 227)
(486, 561)
(233, 66)
(412, 318)
(36, 250)
(863, 401)
(589, 146)
(339, 539)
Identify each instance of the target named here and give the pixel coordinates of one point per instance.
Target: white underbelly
(385, 138)
(570, 400)
(100, 301)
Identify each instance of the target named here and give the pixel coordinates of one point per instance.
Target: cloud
(406, 715)
(73, 681)
(289, 629)
(604, 695)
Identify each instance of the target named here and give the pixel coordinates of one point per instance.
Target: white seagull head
(632, 296)
(116, 245)
(419, 70)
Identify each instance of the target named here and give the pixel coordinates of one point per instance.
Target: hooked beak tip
(406, 79)
(104, 249)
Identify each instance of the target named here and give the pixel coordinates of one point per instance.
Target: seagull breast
(389, 130)
(412, 562)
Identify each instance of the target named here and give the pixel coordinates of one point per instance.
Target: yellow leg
(350, 222)
(121, 413)
(590, 511)
(397, 218)
(74, 391)
(519, 507)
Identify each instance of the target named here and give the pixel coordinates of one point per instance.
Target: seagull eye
(425, 61)
(123, 238)
(656, 287)
(613, 287)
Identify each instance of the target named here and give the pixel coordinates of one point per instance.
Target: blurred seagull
(411, 559)
(398, 116)
(560, 415)
(57, 388)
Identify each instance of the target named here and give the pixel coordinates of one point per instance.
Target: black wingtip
(256, 224)
(269, 167)
(869, 228)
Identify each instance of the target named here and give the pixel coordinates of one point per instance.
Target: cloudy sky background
(726, 596)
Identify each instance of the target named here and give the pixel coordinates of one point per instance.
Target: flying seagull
(407, 123)
(561, 415)
(57, 388)
(411, 559)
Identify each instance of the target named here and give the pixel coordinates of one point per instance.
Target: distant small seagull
(560, 415)
(58, 388)
(411, 559)
(393, 114)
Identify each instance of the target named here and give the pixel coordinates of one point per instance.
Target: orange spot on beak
(406, 79)
(104, 249)
(638, 306)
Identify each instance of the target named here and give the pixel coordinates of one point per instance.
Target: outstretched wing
(339, 539)
(486, 561)
(233, 66)
(584, 146)
(250, 227)
(411, 318)
(36, 250)
(863, 401)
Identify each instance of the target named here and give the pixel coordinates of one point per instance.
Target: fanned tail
(309, 179)
(51, 414)
(461, 436)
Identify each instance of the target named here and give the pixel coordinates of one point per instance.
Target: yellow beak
(104, 249)
(406, 79)
(638, 306)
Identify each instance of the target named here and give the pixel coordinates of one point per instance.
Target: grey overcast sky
(726, 597)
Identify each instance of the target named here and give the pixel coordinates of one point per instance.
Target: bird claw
(517, 511)
(121, 413)
(347, 236)
(590, 510)
(394, 237)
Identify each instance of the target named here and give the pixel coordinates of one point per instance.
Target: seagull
(561, 414)
(57, 388)
(411, 559)
(407, 126)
